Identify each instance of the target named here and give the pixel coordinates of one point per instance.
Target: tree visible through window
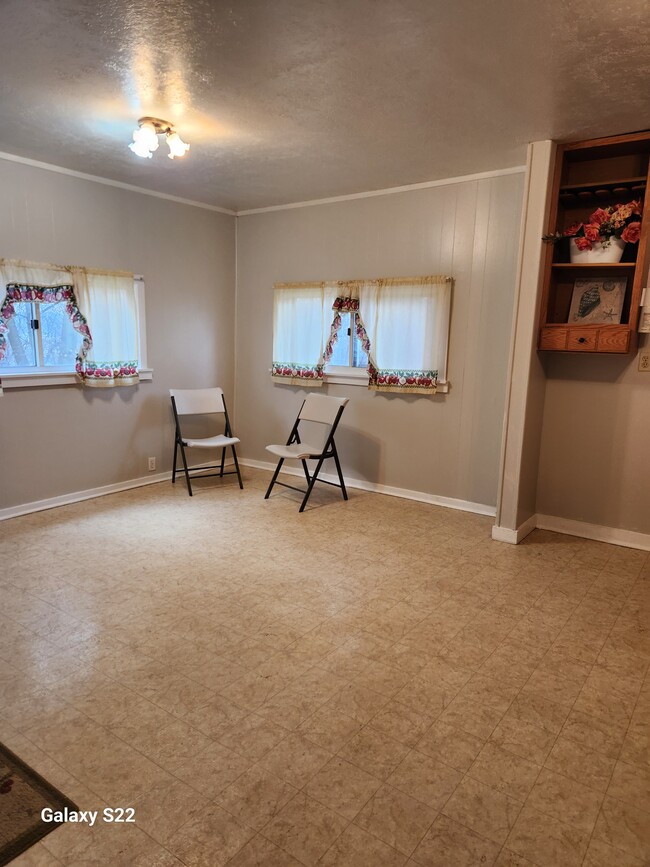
(40, 335)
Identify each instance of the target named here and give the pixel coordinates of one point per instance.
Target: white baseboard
(363, 485)
(91, 493)
(78, 496)
(514, 537)
(612, 535)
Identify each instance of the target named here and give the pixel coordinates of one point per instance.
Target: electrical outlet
(644, 360)
(152, 464)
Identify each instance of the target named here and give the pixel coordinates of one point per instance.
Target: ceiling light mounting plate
(162, 127)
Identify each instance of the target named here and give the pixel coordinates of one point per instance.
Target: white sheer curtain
(406, 324)
(108, 301)
(302, 321)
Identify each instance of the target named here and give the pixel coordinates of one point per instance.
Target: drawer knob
(582, 339)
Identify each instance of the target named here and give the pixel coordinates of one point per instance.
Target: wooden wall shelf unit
(589, 175)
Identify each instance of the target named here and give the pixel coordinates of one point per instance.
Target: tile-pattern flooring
(371, 683)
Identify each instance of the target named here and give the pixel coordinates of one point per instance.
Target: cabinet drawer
(614, 340)
(553, 338)
(582, 339)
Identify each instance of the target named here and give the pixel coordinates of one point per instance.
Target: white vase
(598, 255)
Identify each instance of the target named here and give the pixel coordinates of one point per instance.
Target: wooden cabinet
(590, 175)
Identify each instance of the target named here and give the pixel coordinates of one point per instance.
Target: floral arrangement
(615, 221)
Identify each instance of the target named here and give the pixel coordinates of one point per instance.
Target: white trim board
(425, 185)
(514, 537)
(611, 535)
(363, 485)
(92, 493)
(49, 167)
(78, 496)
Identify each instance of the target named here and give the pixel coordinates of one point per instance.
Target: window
(390, 333)
(348, 350)
(61, 325)
(40, 336)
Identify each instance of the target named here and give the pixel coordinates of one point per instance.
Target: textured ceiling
(290, 100)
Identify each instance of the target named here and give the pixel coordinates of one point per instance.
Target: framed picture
(596, 301)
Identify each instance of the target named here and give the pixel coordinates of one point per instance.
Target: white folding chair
(202, 401)
(324, 411)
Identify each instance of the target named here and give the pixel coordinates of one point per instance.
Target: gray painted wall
(594, 462)
(64, 439)
(447, 445)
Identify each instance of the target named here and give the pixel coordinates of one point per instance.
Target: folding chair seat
(202, 401)
(321, 410)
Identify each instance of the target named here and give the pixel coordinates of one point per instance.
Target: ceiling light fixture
(145, 138)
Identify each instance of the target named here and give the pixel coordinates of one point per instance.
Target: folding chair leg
(223, 460)
(311, 484)
(275, 475)
(338, 470)
(174, 466)
(187, 474)
(305, 468)
(234, 454)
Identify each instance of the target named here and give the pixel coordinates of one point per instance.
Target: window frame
(40, 376)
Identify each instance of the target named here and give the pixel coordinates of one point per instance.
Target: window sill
(347, 376)
(40, 378)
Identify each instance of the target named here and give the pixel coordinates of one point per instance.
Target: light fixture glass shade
(177, 147)
(147, 135)
(140, 149)
(145, 140)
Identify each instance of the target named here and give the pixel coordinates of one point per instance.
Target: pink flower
(583, 244)
(592, 231)
(631, 232)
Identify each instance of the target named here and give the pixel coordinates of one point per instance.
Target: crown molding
(443, 182)
(48, 167)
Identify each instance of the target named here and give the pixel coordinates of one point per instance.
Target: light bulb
(177, 147)
(147, 135)
(140, 149)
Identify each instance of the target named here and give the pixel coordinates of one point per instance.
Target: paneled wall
(447, 445)
(64, 439)
(594, 462)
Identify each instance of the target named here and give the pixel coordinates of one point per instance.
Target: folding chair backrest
(197, 401)
(322, 409)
